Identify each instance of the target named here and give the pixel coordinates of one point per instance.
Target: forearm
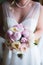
(38, 34)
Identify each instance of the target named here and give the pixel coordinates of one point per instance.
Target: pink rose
(23, 40)
(9, 32)
(23, 47)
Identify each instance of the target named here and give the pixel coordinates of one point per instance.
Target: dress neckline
(28, 14)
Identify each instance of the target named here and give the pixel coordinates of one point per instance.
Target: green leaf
(35, 43)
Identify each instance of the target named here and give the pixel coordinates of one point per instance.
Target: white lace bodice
(30, 20)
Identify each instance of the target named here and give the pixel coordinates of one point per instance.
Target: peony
(25, 33)
(17, 36)
(14, 36)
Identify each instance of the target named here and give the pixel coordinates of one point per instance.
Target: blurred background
(41, 1)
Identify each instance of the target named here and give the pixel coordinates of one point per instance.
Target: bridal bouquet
(19, 38)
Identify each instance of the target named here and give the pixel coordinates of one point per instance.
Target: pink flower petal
(25, 33)
(23, 40)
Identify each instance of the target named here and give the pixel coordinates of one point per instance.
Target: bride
(30, 14)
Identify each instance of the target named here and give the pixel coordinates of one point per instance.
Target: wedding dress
(32, 56)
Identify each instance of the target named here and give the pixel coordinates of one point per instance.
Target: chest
(19, 14)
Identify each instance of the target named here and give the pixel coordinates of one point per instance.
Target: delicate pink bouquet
(18, 38)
